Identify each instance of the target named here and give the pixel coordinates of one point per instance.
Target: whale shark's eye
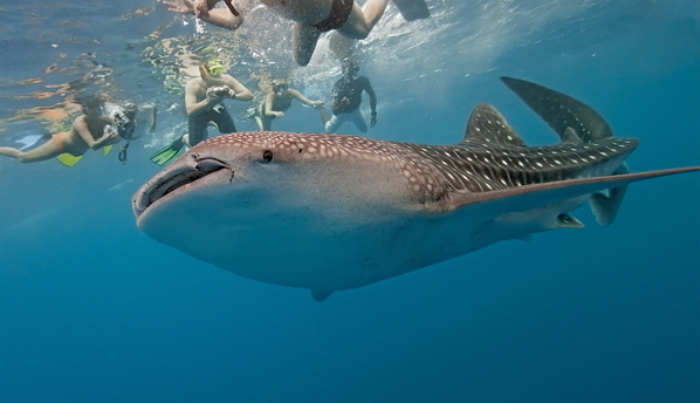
(267, 155)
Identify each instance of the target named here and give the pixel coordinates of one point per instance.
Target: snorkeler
(311, 17)
(347, 97)
(102, 124)
(204, 98)
(278, 100)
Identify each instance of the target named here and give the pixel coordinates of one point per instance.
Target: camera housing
(220, 91)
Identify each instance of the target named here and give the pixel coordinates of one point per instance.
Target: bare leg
(374, 9)
(260, 123)
(324, 117)
(340, 45)
(45, 151)
(360, 22)
(186, 139)
(304, 42)
(264, 122)
(11, 152)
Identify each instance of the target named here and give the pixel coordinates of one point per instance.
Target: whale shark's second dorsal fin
(561, 111)
(570, 136)
(487, 125)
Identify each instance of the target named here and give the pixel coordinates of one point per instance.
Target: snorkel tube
(231, 9)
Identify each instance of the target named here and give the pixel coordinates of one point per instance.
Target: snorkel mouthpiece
(280, 86)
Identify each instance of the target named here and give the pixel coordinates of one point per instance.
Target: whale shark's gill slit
(184, 178)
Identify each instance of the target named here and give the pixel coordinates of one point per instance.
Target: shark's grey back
(492, 156)
(477, 168)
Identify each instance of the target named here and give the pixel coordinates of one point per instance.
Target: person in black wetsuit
(311, 17)
(278, 100)
(204, 98)
(347, 97)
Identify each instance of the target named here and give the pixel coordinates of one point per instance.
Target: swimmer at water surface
(311, 17)
(99, 126)
(278, 100)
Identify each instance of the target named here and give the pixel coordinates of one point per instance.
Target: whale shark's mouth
(169, 182)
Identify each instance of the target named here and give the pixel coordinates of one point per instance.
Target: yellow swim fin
(106, 149)
(68, 159)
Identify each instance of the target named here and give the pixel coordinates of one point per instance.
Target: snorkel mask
(280, 86)
(350, 69)
(214, 67)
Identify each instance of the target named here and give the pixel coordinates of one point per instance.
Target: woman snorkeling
(278, 100)
(100, 125)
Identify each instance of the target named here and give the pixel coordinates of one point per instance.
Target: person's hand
(278, 114)
(231, 93)
(318, 104)
(201, 8)
(212, 97)
(373, 120)
(109, 131)
(110, 134)
(180, 6)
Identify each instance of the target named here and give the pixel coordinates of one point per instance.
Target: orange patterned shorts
(58, 140)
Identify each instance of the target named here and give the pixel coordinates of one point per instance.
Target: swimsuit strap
(340, 12)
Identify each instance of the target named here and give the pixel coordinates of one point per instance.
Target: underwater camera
(220, 91)
(125, 125)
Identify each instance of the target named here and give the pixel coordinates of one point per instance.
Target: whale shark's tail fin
(561, 111)
(573, 121)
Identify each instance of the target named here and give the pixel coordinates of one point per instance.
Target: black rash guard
(351, 90)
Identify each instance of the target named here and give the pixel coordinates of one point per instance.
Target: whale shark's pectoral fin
(525, 198)
(604, 206)
(320, 295)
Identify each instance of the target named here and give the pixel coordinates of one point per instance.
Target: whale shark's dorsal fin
(487, 125)
(561, 111)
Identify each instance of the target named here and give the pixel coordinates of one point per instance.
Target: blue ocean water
(94, 310)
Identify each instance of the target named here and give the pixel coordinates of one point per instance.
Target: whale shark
(332, 212)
